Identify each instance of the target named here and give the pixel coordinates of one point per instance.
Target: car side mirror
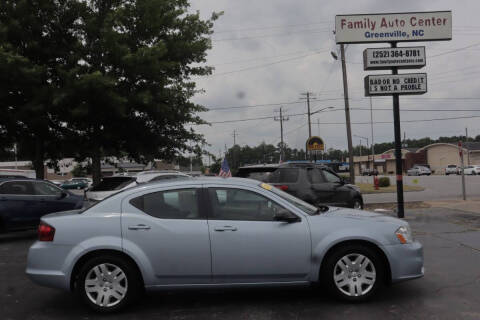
(344, 180)
(285, 216)
(62, 195)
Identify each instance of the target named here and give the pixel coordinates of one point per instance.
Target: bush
(384, 182)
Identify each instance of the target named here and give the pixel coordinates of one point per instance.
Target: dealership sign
(388, 84)
(386, 58)
(393, 27)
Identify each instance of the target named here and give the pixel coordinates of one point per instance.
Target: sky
(267, 53)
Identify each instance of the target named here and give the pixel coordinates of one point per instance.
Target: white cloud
(281, 30)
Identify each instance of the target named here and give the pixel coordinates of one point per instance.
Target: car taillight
(45, 232)
(282, 187)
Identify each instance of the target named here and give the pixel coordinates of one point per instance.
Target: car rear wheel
(108, 283)
(353, 273)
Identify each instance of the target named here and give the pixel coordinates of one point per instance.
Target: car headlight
(404, 234)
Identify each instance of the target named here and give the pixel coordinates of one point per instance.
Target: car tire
(357, 203)
(350, 279)
(114, 278)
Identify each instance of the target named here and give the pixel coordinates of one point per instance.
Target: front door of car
(51, 199)
(18, 204)
(322, 191)
(248, 246)
(169, 232)
(340, 192)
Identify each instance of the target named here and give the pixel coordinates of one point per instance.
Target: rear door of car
(287, 180)
(168, 230)
(18, 204)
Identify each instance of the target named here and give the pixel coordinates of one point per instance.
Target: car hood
(363, 215)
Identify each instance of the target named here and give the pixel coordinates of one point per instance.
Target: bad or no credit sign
(388, 84)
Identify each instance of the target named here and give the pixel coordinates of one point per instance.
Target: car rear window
(284, 175)
(113, 183)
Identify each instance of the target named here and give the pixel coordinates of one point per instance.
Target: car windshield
(300, 204)
(113, 183)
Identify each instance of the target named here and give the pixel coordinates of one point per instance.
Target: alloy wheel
(354, 275)
(106, 285)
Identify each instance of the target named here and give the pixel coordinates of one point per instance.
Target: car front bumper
(406, 261)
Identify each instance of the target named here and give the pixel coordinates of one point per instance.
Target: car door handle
(226, 228)
(139, 227)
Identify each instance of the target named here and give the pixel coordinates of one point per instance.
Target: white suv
(451, 169)
(417, 170)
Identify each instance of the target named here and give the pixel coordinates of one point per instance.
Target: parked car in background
(417, 170)
(114, 184)
(369, 172)
(17, 173)
(24, 201)
(77, 184)
(220, 233)
(452, 169)
(88, 180)
(315, 184)
(471, 170)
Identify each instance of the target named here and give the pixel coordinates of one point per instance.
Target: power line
(264, 65)
(272, 27)
(339, 123)
(308, 31)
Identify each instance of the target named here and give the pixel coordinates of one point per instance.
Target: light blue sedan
(214, 232)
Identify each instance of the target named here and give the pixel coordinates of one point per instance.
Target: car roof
(199, 181)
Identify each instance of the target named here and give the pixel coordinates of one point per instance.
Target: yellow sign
(315, 144)
(266, 186)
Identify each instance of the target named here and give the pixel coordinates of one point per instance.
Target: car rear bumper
(45, 265)
(406, 261)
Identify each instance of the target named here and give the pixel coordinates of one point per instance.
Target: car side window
(45, 189)
(330, 177)
(239, 204)
(284, 175)
(315, 176)
(171, 204)
(17, 188)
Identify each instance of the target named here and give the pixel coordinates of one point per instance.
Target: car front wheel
(108, 283)
(357, 204)
(353, 273)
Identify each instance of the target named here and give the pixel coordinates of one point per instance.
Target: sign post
(394, 28)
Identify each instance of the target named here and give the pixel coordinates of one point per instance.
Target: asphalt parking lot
(449, 290)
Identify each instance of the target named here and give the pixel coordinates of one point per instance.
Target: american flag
(225, 169)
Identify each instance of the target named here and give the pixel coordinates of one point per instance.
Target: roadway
(436, 188)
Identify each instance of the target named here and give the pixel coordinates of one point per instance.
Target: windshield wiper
(322, 209)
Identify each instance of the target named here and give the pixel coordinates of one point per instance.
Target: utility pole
(307, 95)
(347, 112)
(281, 118)
(234, 134)
(466, 147)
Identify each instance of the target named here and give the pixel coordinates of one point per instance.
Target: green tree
(130, 92)
(37, 42)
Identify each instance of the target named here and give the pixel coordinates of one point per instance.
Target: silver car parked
(214, 232)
